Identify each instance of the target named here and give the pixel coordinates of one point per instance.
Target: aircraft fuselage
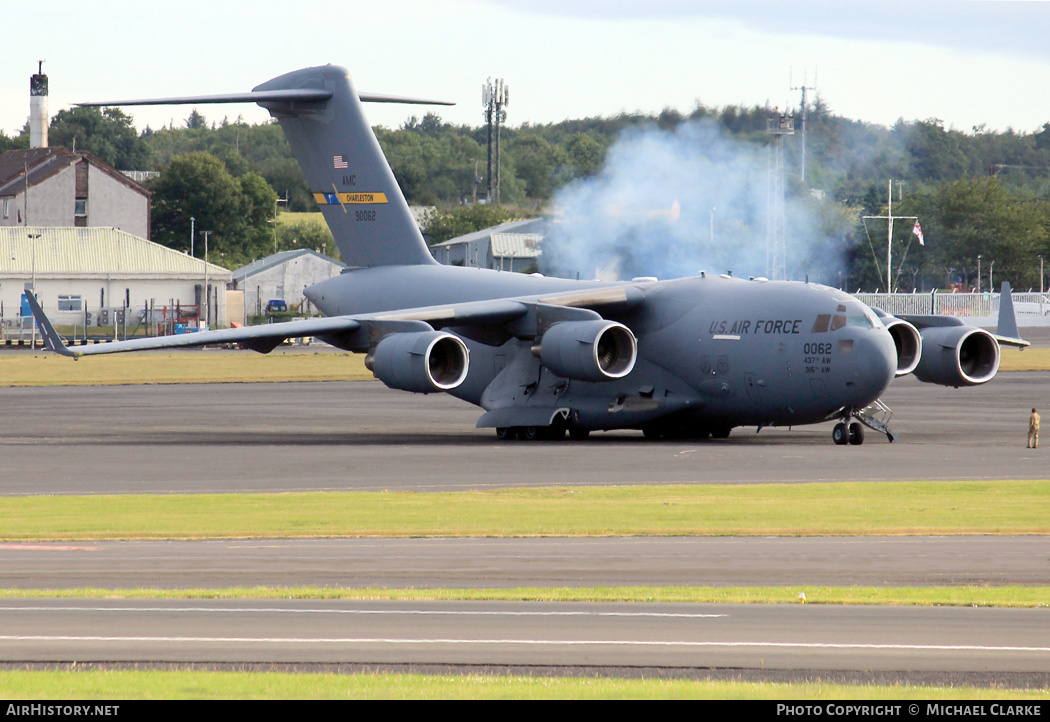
(713, 352)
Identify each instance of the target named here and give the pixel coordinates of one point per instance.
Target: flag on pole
(917, 230)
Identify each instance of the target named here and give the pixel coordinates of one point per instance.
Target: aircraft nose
(873, 363)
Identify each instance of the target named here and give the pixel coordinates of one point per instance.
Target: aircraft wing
(358, 332)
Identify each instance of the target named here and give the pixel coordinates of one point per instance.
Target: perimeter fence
(1027, 306)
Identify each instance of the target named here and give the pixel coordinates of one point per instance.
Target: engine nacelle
(908, 342)
(957, 356)
(598, 350)
(421, 361)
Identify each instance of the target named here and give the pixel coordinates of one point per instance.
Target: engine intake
(908, 342)
(598, 350)
(957, 356)
(423, 362)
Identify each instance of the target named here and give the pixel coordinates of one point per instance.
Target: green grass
(971, 596)
(1029, 359)
(193, 684)
(819, 509)
(47, 369)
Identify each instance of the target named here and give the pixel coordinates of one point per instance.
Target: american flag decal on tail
(339, 162)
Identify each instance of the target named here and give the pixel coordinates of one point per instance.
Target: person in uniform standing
(1033, 430)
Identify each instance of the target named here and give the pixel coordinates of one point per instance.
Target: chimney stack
(38, 119)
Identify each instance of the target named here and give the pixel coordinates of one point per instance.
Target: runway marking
(422, 612)
(528, 642)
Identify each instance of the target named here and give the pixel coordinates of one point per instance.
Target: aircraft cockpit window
(821, 324)
(837, 322)
(860, 321)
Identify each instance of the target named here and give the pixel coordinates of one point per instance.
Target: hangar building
(512, 246)
(93, 273)
(283, 276)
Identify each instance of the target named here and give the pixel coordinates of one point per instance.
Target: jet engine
(908, 341)
(422, 361)
(598, 350)
(957, 356)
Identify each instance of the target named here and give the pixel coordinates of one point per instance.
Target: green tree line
(976, 191)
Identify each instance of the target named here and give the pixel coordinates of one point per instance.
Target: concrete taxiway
(363, 436)
(798, 563)
(990, 643)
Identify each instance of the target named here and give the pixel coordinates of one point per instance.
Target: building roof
(533, 226)
(94, 252)
(517, 245)
(264, 264)
(46, 162)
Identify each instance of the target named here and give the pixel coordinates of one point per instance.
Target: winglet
(1006, 332)
(52, 340)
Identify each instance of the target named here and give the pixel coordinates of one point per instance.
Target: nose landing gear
(852, 433)
(851, 429)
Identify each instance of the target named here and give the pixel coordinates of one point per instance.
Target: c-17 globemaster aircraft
(685, 358)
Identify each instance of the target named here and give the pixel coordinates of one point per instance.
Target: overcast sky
(966, 62)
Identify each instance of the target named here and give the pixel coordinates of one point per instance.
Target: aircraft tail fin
(320, 112)
(350, 178)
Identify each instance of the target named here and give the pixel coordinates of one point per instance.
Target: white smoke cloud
(651, 210)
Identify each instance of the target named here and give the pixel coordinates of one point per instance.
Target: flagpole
(889, 236)
(889, 240)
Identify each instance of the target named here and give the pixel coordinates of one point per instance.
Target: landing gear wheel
(578, 434)
(652, 433)
(856, 434)
(506, 433)
(721, 432)
(839, 434)
(529, 433)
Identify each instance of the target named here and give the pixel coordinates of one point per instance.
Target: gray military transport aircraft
(686, 358)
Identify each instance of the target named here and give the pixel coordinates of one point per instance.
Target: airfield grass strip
(122, 684)
(818, 509)
(1029, 359)
(947, 596)
(182, 367)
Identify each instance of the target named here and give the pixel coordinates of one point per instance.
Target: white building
(93, 274)
(283, 276)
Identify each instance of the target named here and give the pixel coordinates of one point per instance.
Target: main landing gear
(555, 432)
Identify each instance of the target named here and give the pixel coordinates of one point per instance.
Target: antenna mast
(494, 96)
(778, 126)
(805, 112)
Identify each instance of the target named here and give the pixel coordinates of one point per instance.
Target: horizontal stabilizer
(303, 95)
(296, 95)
